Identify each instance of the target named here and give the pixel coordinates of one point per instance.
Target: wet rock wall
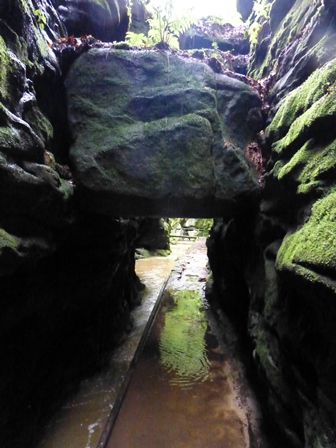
(274, 271)
(67, 276)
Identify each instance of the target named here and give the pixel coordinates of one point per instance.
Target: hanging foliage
(164, 27)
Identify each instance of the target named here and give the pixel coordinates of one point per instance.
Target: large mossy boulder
(157, 134)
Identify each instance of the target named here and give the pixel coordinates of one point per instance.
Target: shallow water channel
(186, 390)
(81, 420)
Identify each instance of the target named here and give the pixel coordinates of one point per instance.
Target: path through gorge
(186, 376)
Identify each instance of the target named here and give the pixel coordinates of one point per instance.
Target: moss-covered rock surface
(67, 279)
(278, 280)
(157, 134)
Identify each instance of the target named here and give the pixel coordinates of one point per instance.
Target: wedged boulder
(156, 134)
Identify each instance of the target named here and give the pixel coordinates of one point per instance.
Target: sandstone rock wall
(278, 280)
(67, 277)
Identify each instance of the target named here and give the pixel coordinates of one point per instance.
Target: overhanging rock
(157, 134)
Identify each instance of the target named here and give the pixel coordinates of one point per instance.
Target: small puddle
(184, 391)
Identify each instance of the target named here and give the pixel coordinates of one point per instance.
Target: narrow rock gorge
(99, 139)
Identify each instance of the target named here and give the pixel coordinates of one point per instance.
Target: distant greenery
(204, 226)
(164, 27)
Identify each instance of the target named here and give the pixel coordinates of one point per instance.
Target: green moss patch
(303, 98)
(317, 121)
(182, 339)
(8, 241)
(311, 251)
(269, 357)
(9, 138)
(5, 63)
(310, 166)
(297, 19)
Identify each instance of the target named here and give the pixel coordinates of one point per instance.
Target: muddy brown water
(81, 420)
(187, 391)
(187, 388)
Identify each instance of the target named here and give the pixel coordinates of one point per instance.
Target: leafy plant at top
(41, 18)
(261, 10)
(164, 28)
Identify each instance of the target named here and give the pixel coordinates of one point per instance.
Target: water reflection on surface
(182, 338)
(81, 420)
(181, 394)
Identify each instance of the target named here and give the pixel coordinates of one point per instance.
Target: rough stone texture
(281, 264)
(295, 43)
(148, 130)
(67, 278)
(153, 234)
(226, 36)
(35, 201)
(60, 317)
(245, 8)
(106, 20)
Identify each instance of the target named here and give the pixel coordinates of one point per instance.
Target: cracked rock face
(156, 134)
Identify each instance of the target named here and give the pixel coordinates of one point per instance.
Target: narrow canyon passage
(186, 389)
(81, 420)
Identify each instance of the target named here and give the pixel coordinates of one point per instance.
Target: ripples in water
(182, 340)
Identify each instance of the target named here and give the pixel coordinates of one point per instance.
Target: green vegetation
(164, 28)
(9, 138)
(309, 165)
(296, 20)
(267, 350)
(5, 64)
(324, 107)
(203, 226)
(261, 12)
(41, 18)
(182, 339)
(311, 250)
(8, 241)
(307, 152)
(320, 83)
